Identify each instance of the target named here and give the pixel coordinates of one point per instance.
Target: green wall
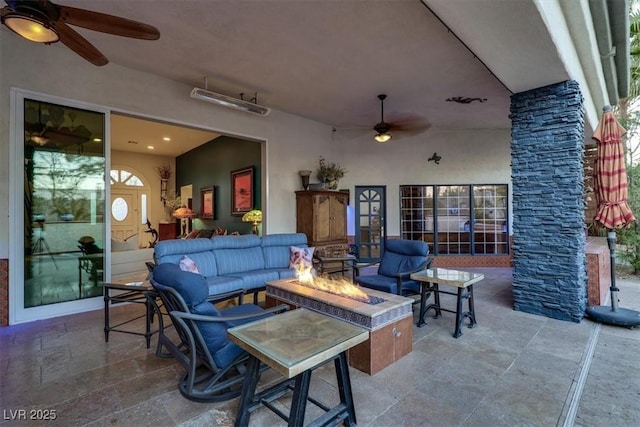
(210, 165)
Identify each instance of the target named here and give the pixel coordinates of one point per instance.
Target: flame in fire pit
(337, 286)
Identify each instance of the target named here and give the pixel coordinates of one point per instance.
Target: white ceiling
(137, 135)
(326, 60)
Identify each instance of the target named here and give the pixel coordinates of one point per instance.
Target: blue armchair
(400, 259)
(214, 365)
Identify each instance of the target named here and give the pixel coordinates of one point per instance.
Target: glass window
(125, 177)
(416, 212)
(64, 196)
(456, 219)
(119, 209)
(490, 213)
(143, 208)
(452, 219)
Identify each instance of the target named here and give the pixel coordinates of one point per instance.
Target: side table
(463, 280)
(346, 261)
(294, 344)
(136, 293)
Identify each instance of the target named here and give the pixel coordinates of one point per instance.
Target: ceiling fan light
(382, 137)
(30, 27)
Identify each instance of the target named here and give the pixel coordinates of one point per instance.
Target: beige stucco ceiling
(328, 60)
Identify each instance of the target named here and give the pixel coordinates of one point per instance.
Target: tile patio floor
(513, 369)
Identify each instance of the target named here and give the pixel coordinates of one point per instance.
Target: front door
(370, 222)
(125, 214)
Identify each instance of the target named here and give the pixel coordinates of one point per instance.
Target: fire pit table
(388, 321)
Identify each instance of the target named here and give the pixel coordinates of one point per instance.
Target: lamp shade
(254, 216)
(183, 212)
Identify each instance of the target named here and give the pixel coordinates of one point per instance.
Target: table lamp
(254, 216)
(183, 213)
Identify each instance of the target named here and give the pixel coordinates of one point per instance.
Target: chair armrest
(429, 262)
(203, 318)
(400, 275)
(421, 267)
(358, 267)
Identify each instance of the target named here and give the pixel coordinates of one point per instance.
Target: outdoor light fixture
(382, 137)
(229, 102)
(31, 24)
(254, 216)
(382, 129)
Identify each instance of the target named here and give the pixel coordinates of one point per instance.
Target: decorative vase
(333, 184)
(304, 174)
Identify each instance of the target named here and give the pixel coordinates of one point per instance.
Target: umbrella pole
(611, 241)
(613, 315)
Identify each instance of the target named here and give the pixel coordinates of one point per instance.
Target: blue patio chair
(401, 258)
(214, 365)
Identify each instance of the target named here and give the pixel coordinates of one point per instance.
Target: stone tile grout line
(582, 378)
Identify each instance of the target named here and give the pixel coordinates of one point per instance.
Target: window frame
(488, 217)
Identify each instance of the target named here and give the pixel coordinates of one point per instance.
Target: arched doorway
(129, 203)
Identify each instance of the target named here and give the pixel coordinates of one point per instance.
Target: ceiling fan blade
(409, 123)
(74, 41)
(109, 24)
(411, 131)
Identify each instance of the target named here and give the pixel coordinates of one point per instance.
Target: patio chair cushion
(212, 333)
(194, 290)
(402, 255)
(400, 258)
(192, 287)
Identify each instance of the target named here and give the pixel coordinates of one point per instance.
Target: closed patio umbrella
(613, 210)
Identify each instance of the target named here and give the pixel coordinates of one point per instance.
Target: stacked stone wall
(549, 261)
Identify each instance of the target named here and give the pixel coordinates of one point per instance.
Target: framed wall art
(206, 203)
(241, 191)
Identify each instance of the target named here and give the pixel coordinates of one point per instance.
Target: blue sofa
(235, 263)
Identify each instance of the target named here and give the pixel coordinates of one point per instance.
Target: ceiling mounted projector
(229, 102)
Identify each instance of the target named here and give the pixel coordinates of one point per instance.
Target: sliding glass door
(58, 262)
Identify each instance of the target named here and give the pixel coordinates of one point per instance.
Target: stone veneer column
(549, 264)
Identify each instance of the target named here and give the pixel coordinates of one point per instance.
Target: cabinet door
(338, 218)
(321, 218)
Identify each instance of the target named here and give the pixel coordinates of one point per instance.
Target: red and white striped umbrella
(611, 174)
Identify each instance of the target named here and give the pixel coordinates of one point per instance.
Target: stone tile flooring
(513, 369)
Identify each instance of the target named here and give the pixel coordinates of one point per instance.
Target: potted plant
(165, 172)
(171, 203)
(329, 173)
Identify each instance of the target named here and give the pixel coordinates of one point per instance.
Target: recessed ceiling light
(97, 139)
(166, 138)
(151, 147)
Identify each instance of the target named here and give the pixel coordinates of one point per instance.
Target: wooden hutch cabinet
(322, 216)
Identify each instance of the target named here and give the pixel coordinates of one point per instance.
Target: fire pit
(389, 321)
(343, 288)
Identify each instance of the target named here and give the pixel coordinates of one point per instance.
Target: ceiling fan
(43, 21)
(408, 125)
